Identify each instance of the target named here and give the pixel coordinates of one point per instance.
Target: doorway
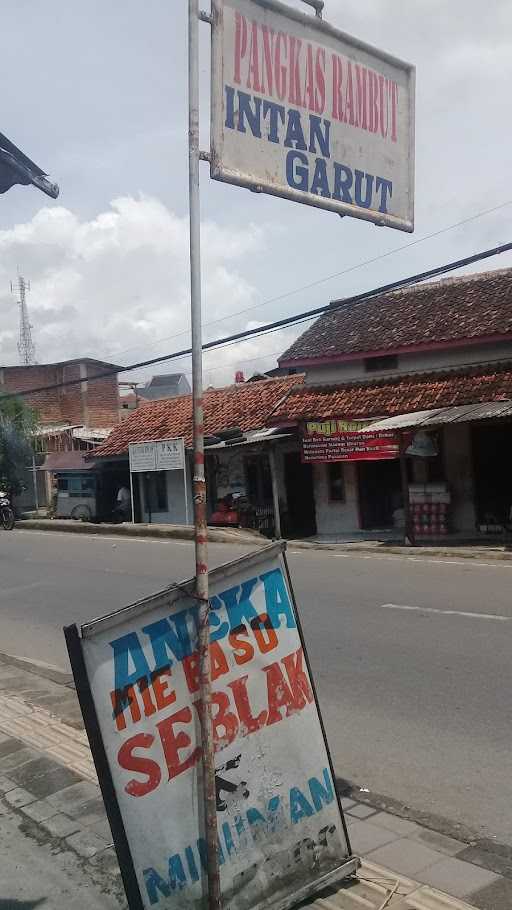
(380, 493)
(298, 479)
(492, 458)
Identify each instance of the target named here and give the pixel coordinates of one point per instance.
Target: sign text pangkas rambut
(303, 111)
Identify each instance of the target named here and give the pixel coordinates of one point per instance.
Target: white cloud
(117, 286)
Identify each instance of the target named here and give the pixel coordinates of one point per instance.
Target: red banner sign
(343, 440)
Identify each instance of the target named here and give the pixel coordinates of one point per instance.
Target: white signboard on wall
(304, 111)
(164, 455)
(142, 457)
(170, 455)
(280, 824)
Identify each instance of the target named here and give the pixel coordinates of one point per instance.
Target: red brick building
(87, 403)
(72, 418)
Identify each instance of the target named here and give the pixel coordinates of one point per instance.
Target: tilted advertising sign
(304, 111)
(346, 440)
(281, 831)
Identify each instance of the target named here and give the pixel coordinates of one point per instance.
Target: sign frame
(220, 172)
(159, 466)
(74, 641)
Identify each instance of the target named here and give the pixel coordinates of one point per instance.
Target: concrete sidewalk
(127, 529)
(247, 537)
(49, 791)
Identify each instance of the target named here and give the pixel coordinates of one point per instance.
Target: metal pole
(275, 492)
(185, 483)
(199, 482)
(131, 498)
(34, 481)
(409, 537)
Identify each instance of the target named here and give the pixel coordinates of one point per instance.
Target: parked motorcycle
(6, 513)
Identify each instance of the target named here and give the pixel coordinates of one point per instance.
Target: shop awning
(252, 437)
(489, 410)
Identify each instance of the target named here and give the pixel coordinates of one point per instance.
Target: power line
(285, 321)
(351, 268)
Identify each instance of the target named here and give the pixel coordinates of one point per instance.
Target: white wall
(459, 475)
(336, 517)
(415, 362)
(176, 514)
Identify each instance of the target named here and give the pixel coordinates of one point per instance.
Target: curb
(38, 669)
(247, 537)
(244, 537)
(402, 550)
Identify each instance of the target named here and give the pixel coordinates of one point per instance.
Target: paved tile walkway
(47, 775)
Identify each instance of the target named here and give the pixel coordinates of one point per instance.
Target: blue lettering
(321, 794)
(297, 177)
(294, 132)
(172, 637)
(299, 806)
(228, 838)
(316, 135)
(342, 183)
(277, 113)
(191, 863)
(358, 198)
(221, 628)
(247, 114)
(320, 182)
(155, 885)
(238, 603)
(277, 600)
(125, 648)
(385, 187)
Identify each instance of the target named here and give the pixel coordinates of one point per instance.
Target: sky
(96, 94)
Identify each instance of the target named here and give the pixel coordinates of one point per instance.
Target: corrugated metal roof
(487, 410)
(251, 438)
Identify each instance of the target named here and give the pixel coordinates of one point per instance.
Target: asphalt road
(412, 657)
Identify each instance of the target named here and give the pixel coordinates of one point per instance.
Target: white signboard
(142, 457)
(164, 455)
(170, 455)
(280, 825)
(304, 111)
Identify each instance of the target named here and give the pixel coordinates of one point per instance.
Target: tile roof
(471, 307)
(400, 395)
(243, 405)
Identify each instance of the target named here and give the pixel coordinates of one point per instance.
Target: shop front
(356, 473)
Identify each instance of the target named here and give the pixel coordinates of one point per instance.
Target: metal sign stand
(199, 482)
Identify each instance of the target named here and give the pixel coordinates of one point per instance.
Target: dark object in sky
(15, 167)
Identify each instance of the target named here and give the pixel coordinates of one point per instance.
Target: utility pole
(26, 347)
(199, 482)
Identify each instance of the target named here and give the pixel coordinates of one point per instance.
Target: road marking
(392, 557)
(438, 561)
(467, 614)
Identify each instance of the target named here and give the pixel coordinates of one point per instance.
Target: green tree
(17, 427)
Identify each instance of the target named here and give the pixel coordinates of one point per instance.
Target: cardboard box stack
(430, 504)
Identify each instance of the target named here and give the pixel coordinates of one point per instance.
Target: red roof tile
(401, 395)
(471, 307)
(244, 405)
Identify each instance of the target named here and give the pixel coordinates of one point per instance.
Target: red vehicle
(231, 512)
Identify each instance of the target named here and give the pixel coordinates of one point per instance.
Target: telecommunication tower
(26, 347)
